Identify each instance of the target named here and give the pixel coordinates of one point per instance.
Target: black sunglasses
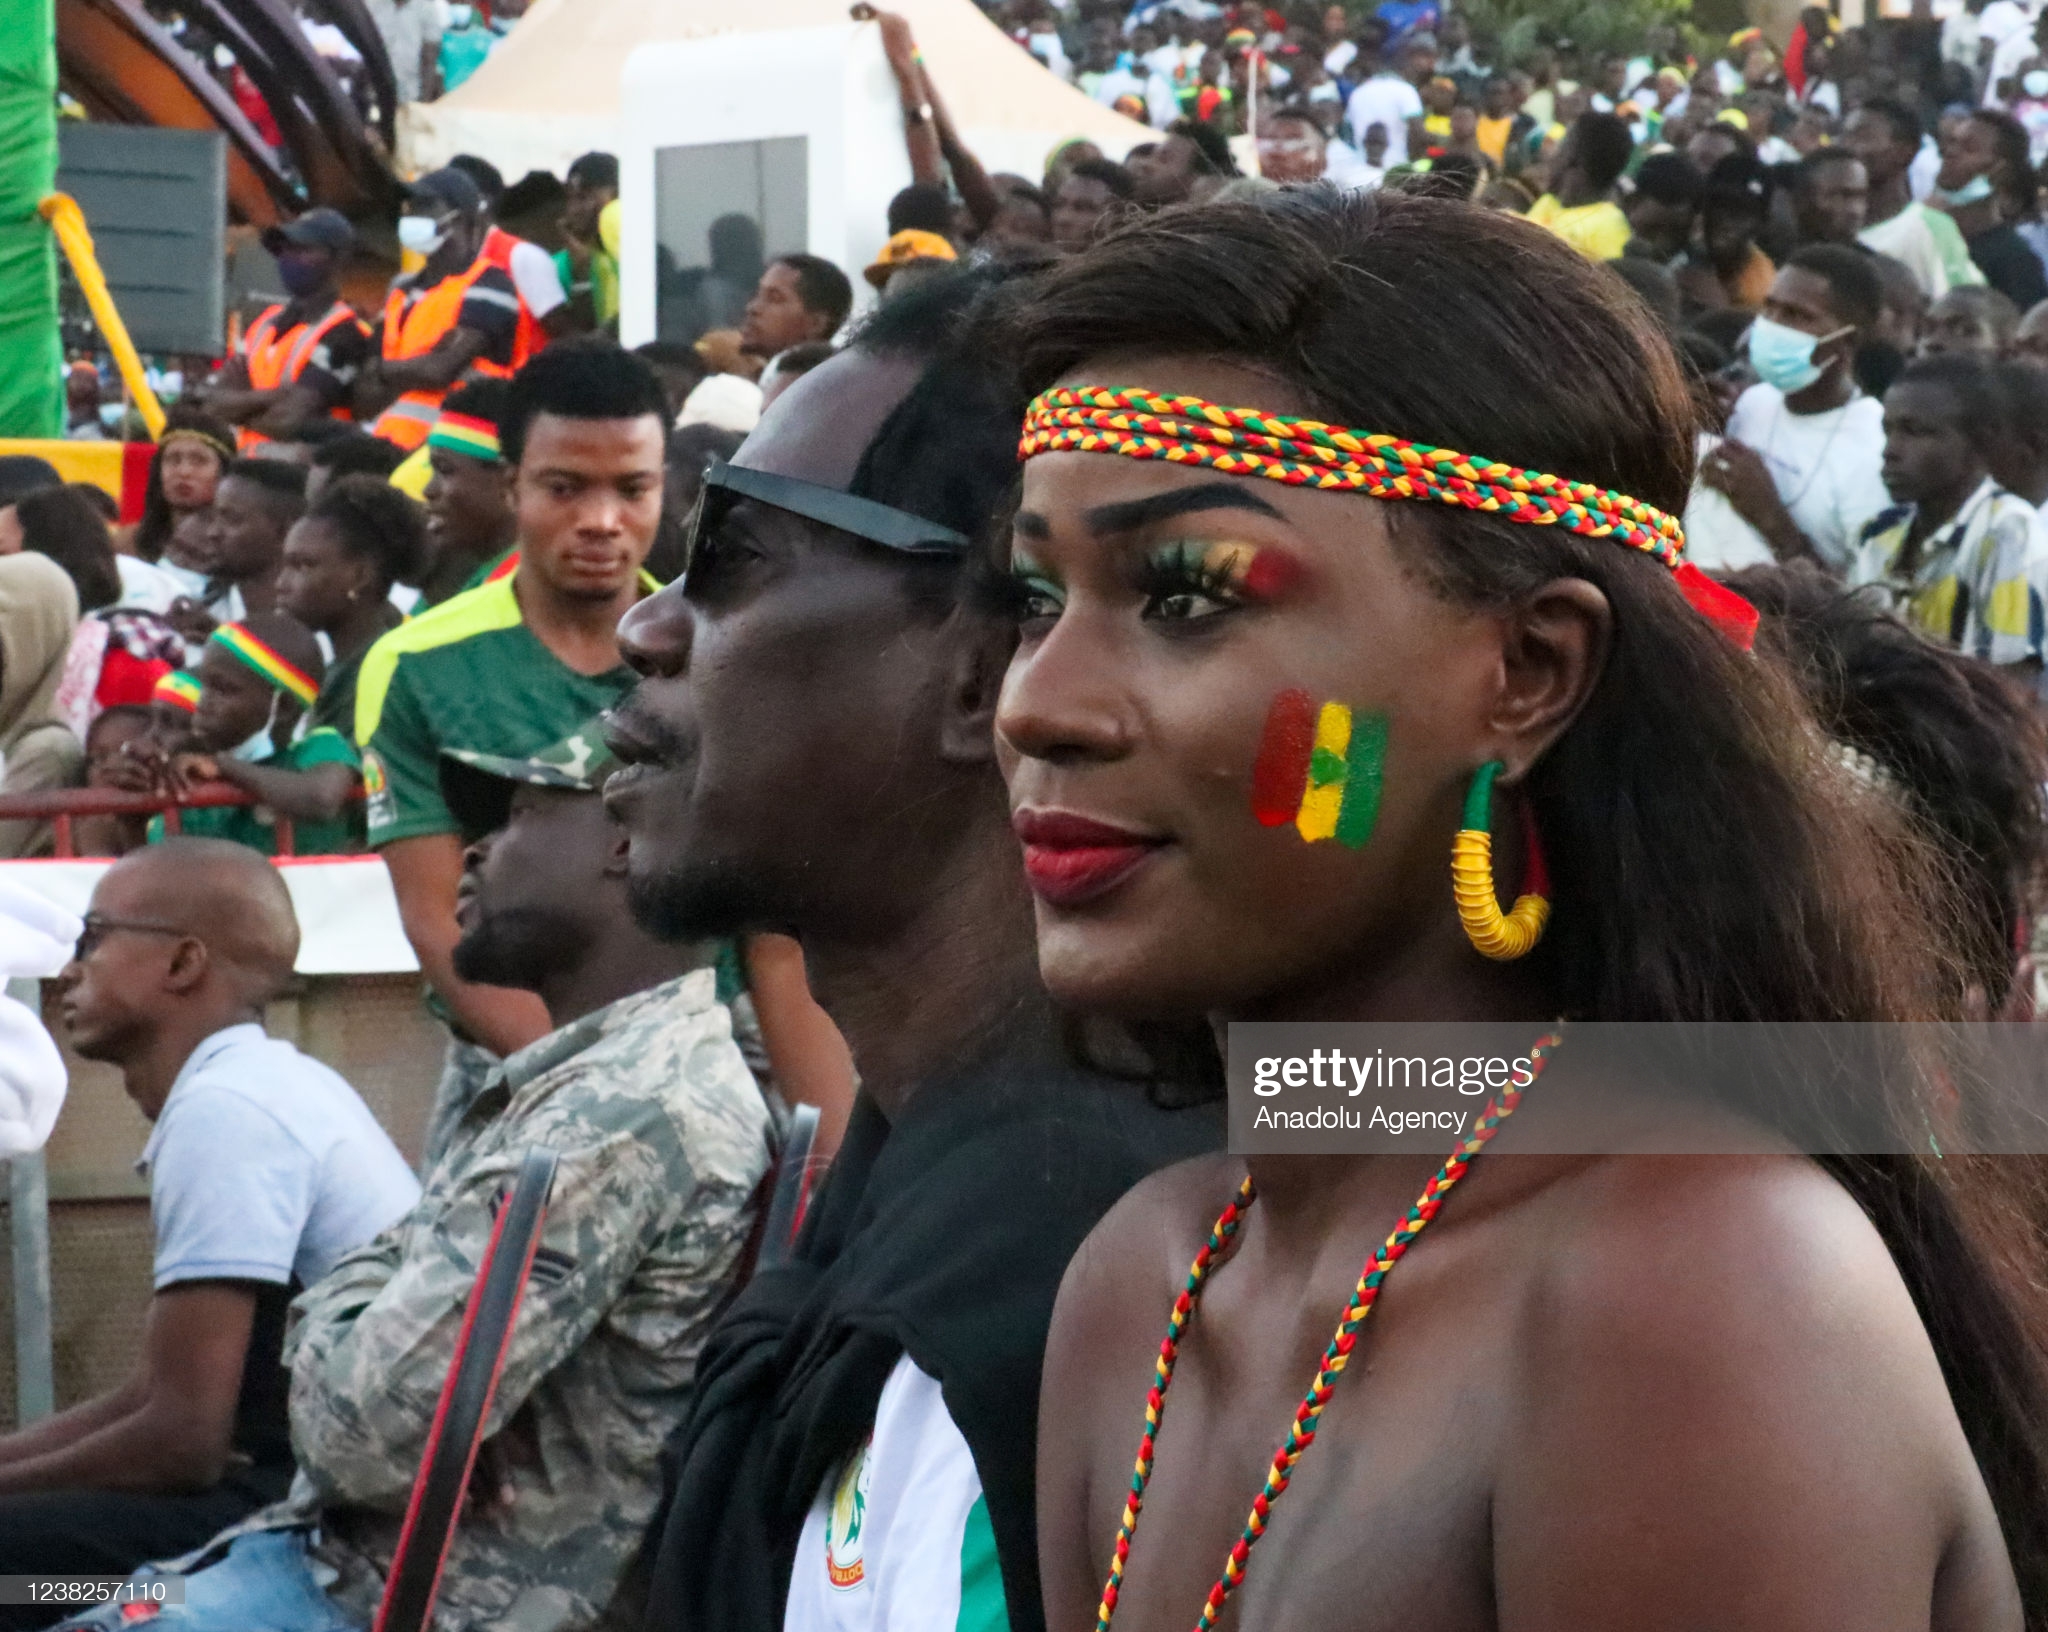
(97, 929)
(868, 519)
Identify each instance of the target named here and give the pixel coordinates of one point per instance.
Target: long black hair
(1708, 860)
(153, 532)
(64, 524)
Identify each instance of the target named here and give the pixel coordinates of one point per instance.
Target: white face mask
(262, 745)
(2035, 83)
(421, 234)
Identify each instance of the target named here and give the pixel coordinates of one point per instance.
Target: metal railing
(60, 806)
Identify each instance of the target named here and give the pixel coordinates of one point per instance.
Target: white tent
(551, 90)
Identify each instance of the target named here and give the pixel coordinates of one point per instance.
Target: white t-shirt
(146, 587)
(535, 277)
(264, 1166)
(2014, 52)
(899, 1538)
(1717, 539)
(1909, 240)
(1389, 101)
(1925, 167)
(1339, 57)
(1344, 166)
(1827, 466)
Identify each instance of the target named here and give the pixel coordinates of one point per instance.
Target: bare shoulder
(1144, 1244)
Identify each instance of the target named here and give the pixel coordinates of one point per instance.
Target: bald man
(264, 1168)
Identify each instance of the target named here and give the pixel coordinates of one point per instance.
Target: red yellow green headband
(287, 677)
(464, 433)
(206, 439)
(177, 689)
(1139, 424)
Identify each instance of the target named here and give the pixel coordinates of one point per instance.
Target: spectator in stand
(1986, 183)
(110, 746)
(356, 454)
(1664, 208)
(256, 679)
(82, 404)
(1975, 321)
(800, 298)
(662, 1138)
(470, 525)
(73, 532)
(264, 1168)
(1803, 459)
(1733, 272)
(253, 508)
(1956, 555)
(38, 751)
(1496, 122)
(785, 368)
(1830, 197)
(1886, 135)
(1582, 209)
(191, 456)
(299, 360)
(516, 663)
(1392, 99)
(1087, 201)
(589, 263)
(341, 559)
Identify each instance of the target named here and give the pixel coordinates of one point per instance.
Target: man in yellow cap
(908, 259)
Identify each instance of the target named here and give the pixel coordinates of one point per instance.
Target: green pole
(31, 354)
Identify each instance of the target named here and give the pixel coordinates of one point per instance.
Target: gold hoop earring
(1493, 933)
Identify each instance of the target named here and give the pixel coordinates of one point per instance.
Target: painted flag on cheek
(1319, 769)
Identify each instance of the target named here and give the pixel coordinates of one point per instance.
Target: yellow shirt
(1492, 137)
(1437, 124)
(1600, 232)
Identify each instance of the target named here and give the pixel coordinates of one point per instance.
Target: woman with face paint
(1282, 664)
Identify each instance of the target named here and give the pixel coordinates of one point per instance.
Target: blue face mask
(2035, 83)
(1783, 356)
(1973, 191)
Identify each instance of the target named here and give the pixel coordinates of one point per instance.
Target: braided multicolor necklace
(1301, 1432)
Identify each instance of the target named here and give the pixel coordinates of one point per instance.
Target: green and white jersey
(899, 1538)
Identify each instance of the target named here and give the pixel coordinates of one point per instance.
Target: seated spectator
(1581, 208)
(264, 1169)
(38, 751)
(1830, 196)
(800, 298)
(111, 762)
(171, 707)
(1956, 556)
(470, 529)
(663, 1138)
(341, 559)
(1086, 203)
(1972, 321)
(253, 508)
(255, 681)
(787, 367)
(355, 453)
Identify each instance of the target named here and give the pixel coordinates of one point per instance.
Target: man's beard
(697, 902)
(521, 948)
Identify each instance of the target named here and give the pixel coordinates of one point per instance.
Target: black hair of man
(923, 206)
(793, 362)
(1738, 185)
(1653, 284)
(595, 170)
(670, 354)
(695, 446)
(584, 378)
(22, 474)
(1212, 147)
(1671, 178)
(489, 179)
(282, 485)
(359, 454)
(376, 523)
(1017, 187)
(118, 714)
(2010, 142)
(821, 286)
(1111, 174)
(1905, 123)
(2023, 401)
(1602, 144)
(1976, 403)
(1701, 356)
(1855, 291)
(1807, 171)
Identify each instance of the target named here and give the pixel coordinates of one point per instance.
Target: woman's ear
(1553, 647)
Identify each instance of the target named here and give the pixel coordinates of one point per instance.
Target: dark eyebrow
(1031, 524)
(1178, 501)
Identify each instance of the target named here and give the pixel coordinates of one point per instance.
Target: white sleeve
(535, 277)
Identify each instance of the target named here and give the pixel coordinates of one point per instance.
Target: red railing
(59, 806)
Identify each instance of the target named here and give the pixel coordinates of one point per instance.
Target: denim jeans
(266, 1580)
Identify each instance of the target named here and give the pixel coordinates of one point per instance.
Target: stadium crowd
(738, 734)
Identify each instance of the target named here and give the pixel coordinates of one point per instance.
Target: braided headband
(177, 689)
(1308, 453)
(287, 677)
(192, 433)
(464, 433)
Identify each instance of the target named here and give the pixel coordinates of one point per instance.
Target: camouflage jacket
(663, 1138)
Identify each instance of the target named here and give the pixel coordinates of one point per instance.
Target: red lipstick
(1070, 859)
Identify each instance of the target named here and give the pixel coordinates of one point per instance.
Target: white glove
(36, 938)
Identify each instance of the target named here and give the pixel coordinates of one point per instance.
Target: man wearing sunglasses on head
(264, 1169)
(810, 750)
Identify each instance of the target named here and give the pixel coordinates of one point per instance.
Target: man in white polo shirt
(264, 1168)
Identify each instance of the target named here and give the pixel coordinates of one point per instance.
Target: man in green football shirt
(517, 663)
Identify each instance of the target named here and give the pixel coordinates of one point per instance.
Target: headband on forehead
(177, 690)
(205, 439)
(465, 433)
(285, 676)
(1140, 424)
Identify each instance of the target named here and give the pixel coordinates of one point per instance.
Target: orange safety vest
(416, 330)
(276, 359)
(530, 336)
